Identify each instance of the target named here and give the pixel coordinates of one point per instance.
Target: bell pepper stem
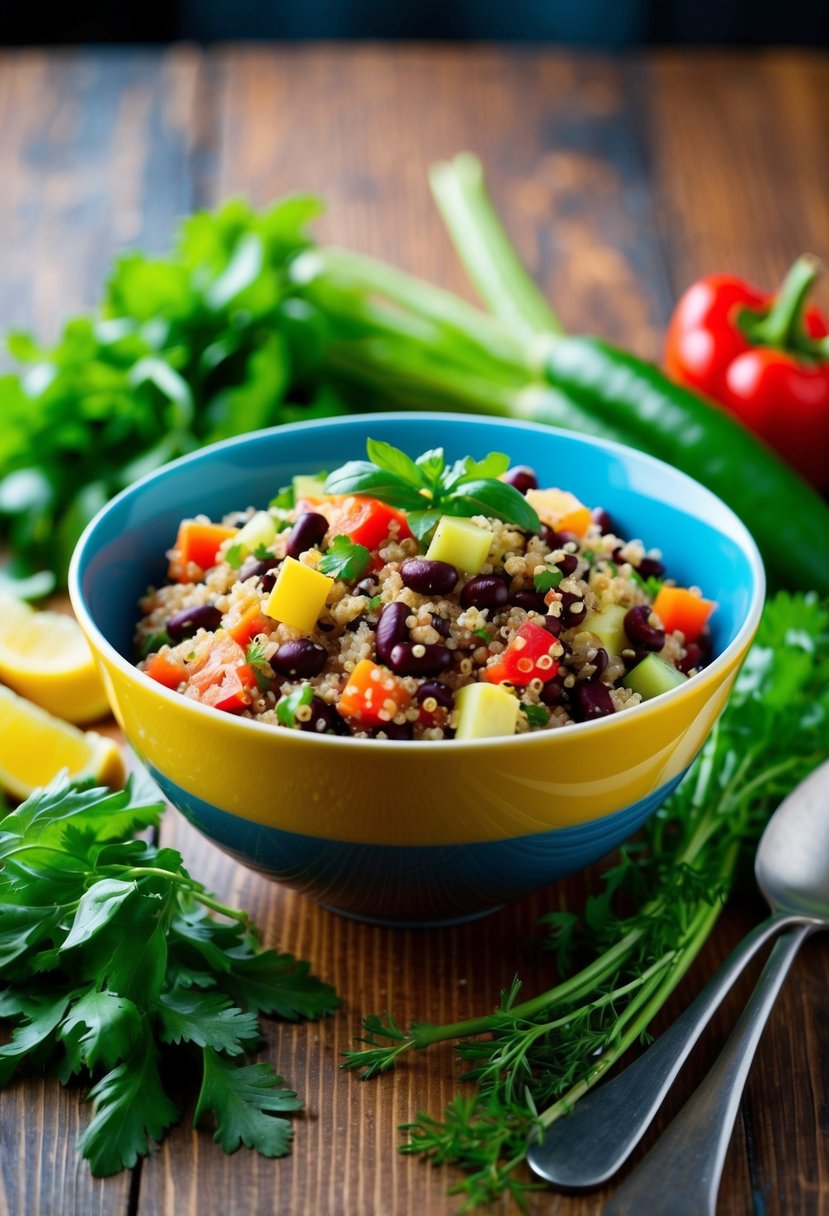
(782, 326)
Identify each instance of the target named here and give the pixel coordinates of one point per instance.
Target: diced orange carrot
(197, 543)
(679, 608)
(165, 670)
(220, 677)
(373, 695)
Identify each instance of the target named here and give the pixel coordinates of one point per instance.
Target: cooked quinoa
(555, 622)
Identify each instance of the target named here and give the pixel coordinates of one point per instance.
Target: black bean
(391, 629)
(638, 628)
(356, 621)
(306, 533)
(553, 624)
(184, 624)
(592, 700)
(419, 659)
(301, 657)
(573, 608)
(567, 564)
(433, 688)
(522, 478)
(366, 586)
(322, 719)
(605, 521)
(264, 569)
(485, 591)
(394, 730)
(694, 656)
(429, 577)
(600, 662)
(554, 692)
(530, 601)
(557, 540)
(441, 625)
(649, 567)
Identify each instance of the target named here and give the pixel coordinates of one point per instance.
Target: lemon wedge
(45, 657)
(34, 747)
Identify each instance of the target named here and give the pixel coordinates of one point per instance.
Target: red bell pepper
(366, 521)
(765, 358)
(529, 656)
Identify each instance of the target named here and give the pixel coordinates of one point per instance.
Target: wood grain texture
(619, 180)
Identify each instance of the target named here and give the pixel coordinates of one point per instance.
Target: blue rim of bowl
(739, 533)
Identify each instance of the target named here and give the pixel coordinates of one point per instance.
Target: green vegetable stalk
(248, 324)
(532, 1059)
(108, 952)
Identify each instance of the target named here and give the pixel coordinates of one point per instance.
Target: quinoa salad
(400, 598)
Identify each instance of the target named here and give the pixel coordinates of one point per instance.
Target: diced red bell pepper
(220, 677)
(366, 521)
(531, 655)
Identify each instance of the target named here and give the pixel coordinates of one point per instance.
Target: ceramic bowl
(414, 832)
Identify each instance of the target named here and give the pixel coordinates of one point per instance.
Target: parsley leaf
(243, 1100)
(344, 559)
(546, 580)
(108, 950)
(536, 715)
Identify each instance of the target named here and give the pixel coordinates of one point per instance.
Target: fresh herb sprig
(429, 487)
(641, 929)
(109, 952)
(344, 558)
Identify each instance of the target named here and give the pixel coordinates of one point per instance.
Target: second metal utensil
(792, 869)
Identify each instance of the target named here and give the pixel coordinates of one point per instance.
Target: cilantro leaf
(344, 559)
(100, 1029)
(546, 580)
(131, 1108)
(243, 1099)
(207, 1019)
(41, 1017)
(96, 909)
(278, 984)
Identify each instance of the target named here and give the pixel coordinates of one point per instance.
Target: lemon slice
(34, 747)
(45, 657)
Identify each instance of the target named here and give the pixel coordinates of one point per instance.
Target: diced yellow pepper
(460, 543)
(561, 510)
(298, 595)
(484, 710)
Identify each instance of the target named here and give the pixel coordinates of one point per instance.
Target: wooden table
(620, 180)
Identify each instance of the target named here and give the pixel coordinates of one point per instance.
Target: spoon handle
(680, 1176)
(588, 1146)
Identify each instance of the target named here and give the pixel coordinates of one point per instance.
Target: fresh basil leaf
(492, 465)
(421, 523)
(362, 477)
(494, 498)
(394, 461)
(431, 465)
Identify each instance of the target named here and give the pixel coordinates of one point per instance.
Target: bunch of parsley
(108, 953)
(624, 952)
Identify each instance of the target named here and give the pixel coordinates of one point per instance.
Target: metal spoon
(587, 1147)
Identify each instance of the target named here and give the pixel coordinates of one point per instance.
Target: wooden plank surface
(620, 181)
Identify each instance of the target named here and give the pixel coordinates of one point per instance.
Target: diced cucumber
(608, 627)
(307, 486)
(484, 710)
(653, 676)
(259, 530)
(460, 543)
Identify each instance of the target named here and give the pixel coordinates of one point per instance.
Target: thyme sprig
(639, 931)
